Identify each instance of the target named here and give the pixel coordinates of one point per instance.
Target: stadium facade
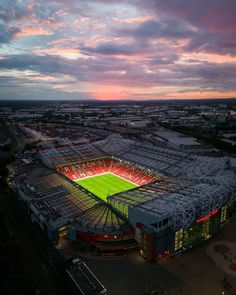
(176, 201)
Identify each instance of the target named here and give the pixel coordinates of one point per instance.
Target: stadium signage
(208, 216)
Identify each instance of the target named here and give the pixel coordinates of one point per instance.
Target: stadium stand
(167, 160)
(123, 169)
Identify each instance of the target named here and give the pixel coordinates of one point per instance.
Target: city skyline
(117, 50)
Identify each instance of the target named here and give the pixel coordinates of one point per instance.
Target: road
(19, 138)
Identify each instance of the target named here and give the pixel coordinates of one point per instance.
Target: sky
(117, 50)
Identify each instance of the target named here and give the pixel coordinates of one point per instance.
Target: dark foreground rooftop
(85, 280)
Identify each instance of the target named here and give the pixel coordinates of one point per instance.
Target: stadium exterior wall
(166, 241)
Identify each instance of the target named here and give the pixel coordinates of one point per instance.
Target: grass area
(105, 185)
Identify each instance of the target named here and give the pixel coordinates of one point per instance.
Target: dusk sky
(134, 49)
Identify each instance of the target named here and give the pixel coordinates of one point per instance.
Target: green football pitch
(105, 185)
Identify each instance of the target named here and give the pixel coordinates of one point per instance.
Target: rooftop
(57, 200)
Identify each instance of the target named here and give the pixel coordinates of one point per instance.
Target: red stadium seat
(122, 169)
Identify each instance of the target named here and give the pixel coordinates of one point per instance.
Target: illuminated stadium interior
(106, 177)
(105, 185)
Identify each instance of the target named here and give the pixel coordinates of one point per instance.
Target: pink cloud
(131, 20)
(27, 31)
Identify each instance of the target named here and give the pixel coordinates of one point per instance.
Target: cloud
(214, 22)
(213, 15)
(7, 34)
(213, 43)
(153, 46)
(11, 10)
(109, 49)
(112, 71)
(32, 32)
(46, 9)
(113, 49)
(165, 28)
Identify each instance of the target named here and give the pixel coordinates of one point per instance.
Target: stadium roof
(166, 160)
(188, 185)
(182, 201)
(57, 200)
(55, 155)
(114, 143)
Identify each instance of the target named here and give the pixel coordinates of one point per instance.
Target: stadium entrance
(203, 229)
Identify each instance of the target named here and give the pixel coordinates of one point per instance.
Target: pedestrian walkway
(223, 253)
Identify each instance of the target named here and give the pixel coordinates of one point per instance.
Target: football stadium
(117, 195)
(105, 177)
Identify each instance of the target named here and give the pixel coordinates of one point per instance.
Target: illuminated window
(63, 228)
(178, 239)
(205, 228)
(223, 216)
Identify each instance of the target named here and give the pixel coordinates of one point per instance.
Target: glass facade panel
(178, 240)
(199, 231)
(223, 214)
